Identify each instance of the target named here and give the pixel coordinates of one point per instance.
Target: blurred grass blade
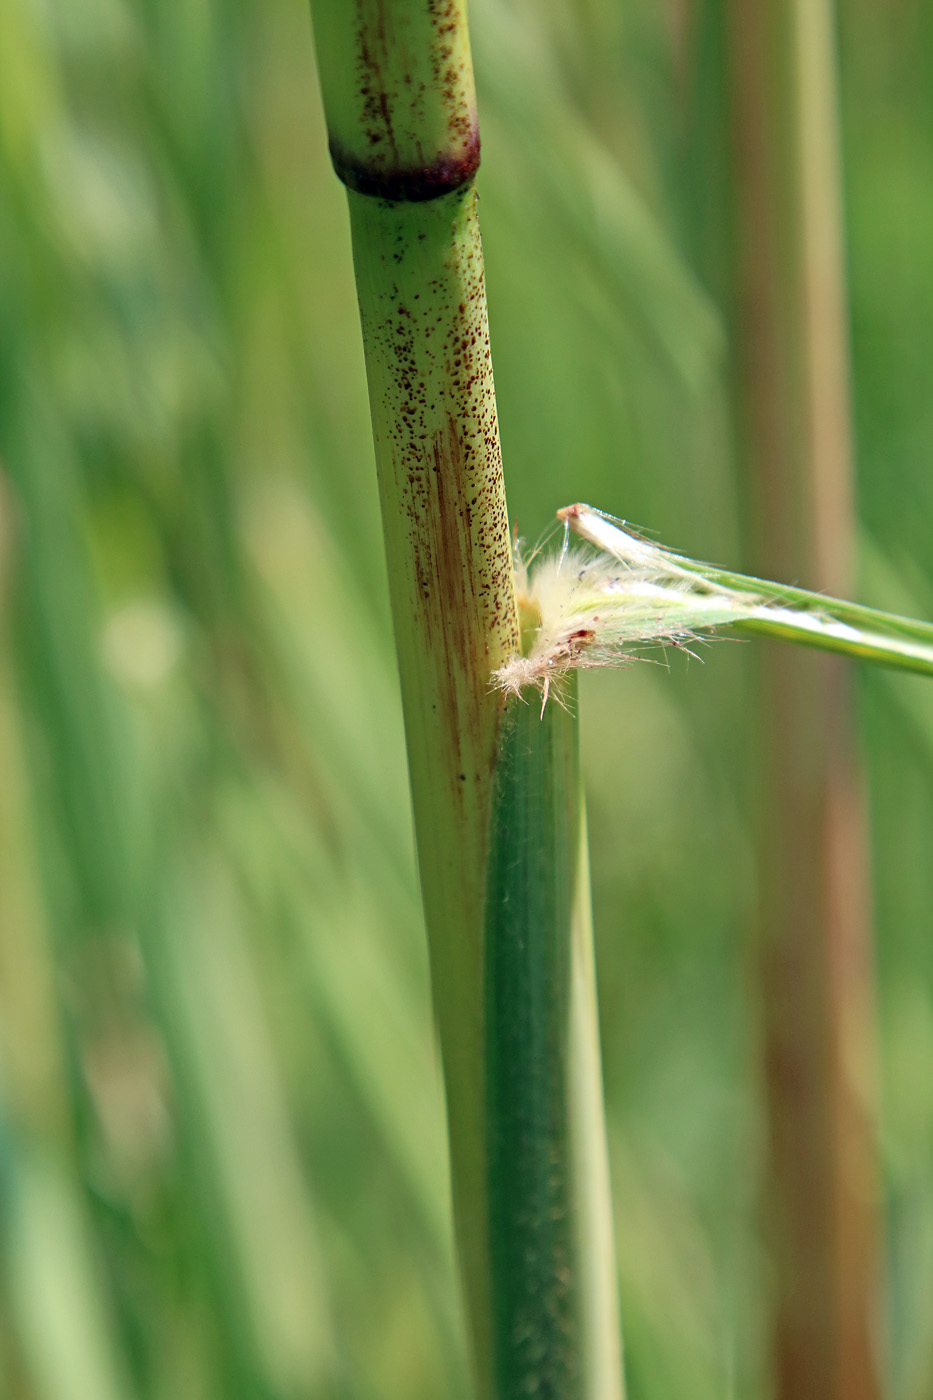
(591, 202)
(240, 1143)
(56, 1284)
(52, 1275)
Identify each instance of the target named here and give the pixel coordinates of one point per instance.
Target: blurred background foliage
(222, 1162)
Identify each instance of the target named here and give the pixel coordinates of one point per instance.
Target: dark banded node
(412, 185)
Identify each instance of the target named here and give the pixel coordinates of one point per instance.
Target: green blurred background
(222, 1160)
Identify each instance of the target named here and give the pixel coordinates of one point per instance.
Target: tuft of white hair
(596, 609)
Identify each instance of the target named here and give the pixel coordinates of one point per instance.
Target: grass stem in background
(816, 963)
